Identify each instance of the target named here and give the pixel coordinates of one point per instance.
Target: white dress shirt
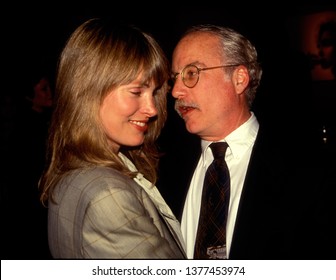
(237, 157)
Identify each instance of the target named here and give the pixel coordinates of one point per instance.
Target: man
(216, 74)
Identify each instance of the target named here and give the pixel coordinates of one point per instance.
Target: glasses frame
(199, 69)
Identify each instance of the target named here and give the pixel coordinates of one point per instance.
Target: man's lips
(183, 110)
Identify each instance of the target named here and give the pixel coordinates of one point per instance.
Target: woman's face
(125, 113)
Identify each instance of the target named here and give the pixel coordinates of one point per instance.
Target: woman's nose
(149, 107)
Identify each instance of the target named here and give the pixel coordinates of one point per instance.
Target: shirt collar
(239, 140)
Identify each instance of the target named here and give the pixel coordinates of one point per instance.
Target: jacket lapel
(160, 204)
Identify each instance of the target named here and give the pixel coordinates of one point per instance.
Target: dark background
(37, 37)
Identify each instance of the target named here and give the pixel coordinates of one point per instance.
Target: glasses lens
(190, 76)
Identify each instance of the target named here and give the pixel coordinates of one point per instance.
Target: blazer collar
(159, 202)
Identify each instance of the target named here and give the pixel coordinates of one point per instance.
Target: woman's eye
(136, 92)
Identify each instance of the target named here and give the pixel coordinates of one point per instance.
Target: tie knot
(218, 149)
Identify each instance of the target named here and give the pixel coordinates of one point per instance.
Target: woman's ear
(240, 79)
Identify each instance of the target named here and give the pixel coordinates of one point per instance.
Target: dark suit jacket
(278, 216)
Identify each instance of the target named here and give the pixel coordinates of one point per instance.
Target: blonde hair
(99, 56)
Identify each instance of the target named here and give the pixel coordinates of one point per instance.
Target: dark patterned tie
(211, 234)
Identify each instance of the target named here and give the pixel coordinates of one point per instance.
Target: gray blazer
(100, 213)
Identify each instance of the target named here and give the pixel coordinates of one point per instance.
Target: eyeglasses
(190, 74)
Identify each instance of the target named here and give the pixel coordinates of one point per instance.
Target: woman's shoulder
(97, 180)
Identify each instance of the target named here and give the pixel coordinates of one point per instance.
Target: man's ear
(240, 78)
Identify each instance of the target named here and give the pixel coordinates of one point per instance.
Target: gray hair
(235, 49)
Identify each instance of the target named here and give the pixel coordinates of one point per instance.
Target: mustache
(181, 105)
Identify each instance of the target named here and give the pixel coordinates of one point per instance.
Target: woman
(110, 106)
